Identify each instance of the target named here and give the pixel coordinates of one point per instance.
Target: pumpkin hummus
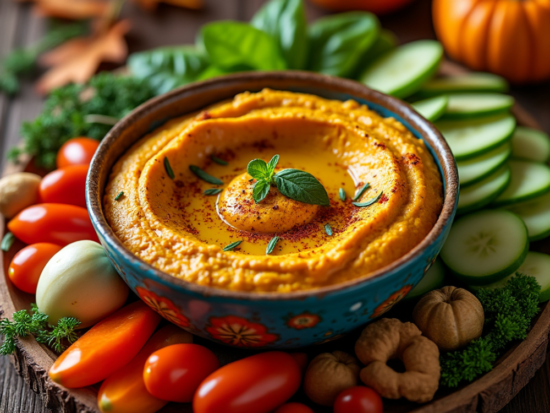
(168, 221)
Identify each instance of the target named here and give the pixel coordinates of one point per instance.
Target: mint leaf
(272, 165)
(260, 190)
(302, 187)
(257, 168)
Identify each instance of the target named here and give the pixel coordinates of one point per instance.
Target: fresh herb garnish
(328, 230)
(263, 173)
(233, 245)
(218, 160)
(204, 176)
(120, 195)
(36, 324)
(271, 245)
(212, 191)
(168, 168)
(342, 194)
(369, 202)
(7, 241)
(361, 191)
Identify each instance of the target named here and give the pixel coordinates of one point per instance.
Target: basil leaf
(233, 245)
(212, 191)
(302, 187)
(361, 191)
(213, 71)
(337, 42)
(257, 168)
(272, 164)
(369, 202)
(285, 21)
(271, 245)
(328, 230)
(168, 168)
(260, 190)
(239, 46)
(205, 176)
(169, 67)
(342, 194)
(7, 242)
(385, 42)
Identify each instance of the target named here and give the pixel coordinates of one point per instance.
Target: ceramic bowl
(269, 320)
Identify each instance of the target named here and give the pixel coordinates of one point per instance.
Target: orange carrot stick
(106, 347)
(124, 391)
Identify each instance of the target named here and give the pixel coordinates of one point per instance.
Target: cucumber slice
(432, 108)
(486, 247)
(471, 138)
(536, 215)
(476, 169)
(536, 265)
(529, 180)
(476, 105)
(531, 144)
(402, 71)
(478, 195)
(474, 82)
(432, 280)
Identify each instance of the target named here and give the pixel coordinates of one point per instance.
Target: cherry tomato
(76, 151)
(358, 399)
(293, 408)
(173, 373)
(65, 186)
(301, 359)
(28, 263)
(256, 384)
(56, 223)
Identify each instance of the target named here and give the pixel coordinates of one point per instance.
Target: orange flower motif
(391, 301)
(238, 331)
(304, 320)
(163, 306)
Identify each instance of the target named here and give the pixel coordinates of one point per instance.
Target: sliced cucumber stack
(478, 195)
(403, 71)
(486, 246)
(475, 105)
(432, 108)
(472, 138)
(476, 169)
(529, 180)
(432, 280)
(531, 144)
(474, 82)
(536, 215)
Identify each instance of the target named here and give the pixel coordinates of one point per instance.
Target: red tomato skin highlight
(256, 384)
(358, 399)
(294, 408)
(65, 186)
(76, 151)
(175, 372)
(27, 265)
(54, 223)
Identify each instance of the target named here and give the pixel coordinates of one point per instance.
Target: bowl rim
(331, 83)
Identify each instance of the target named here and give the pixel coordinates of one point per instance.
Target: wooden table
(169, 25)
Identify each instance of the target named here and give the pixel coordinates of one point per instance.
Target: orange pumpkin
(375, 6)
(507, 37)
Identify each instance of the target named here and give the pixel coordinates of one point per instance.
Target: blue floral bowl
(269, 320)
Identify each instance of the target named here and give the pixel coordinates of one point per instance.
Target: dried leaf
(151, 5)
(72, 9)
(74, 63)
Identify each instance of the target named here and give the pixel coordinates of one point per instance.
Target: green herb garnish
(168, 168)
(328, 230)
(120, 195)
(212, 191)
(204, 176)
(232, 245)
(219, 161)
(360, 192)
(7, 241)
(36, 324)
(369, 202)
(342, 194)
(271, 245)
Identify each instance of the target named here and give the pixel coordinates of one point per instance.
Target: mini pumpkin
(451, 317)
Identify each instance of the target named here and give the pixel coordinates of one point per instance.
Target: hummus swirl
(162, 220)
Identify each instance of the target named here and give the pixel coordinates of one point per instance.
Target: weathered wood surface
(175, 26)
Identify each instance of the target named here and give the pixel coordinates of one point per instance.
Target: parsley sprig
(295, 184)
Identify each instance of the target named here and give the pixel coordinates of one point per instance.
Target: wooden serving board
(490, 393)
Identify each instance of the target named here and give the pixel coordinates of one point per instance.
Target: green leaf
(212, 191)
(385, 42)
(260, 190)
(205, 176)
(258, 169)
(271, 245)
(337, 42)
(285, 21)
(7, 241)
(232, 246)
(328, 230)
(369, 202)
(168, 168)
(302, 187)
(213, 71)
(120, 195)
(169, 67)
(342, 194)
(271, 165)
(239, 46)
(361, 191)
(218, 160)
